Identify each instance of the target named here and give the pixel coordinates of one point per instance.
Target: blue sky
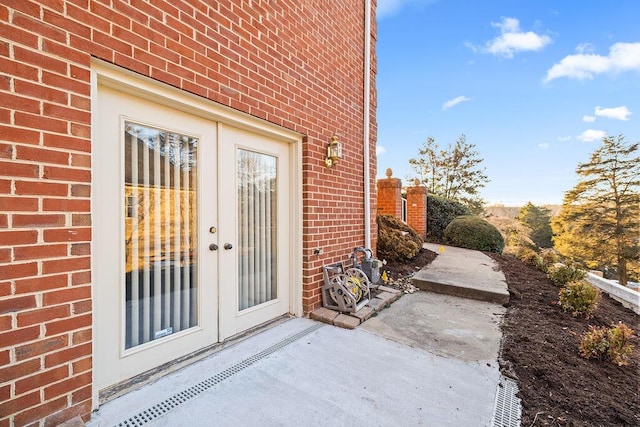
(535, 85)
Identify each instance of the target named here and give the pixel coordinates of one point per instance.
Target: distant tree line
(597, 226)
(538, 219)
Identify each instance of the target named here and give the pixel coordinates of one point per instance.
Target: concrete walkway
(456, 328)
(429, 359)
(464, 273)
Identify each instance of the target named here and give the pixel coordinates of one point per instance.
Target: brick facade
(297, 64)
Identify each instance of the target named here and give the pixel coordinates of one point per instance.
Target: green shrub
(440, 212)
(396, 240)
(561, 274)
(594, 344)
(608, 343)
(580, 298)
(529, 257)
(549, 258)
(546, 259)
(473, 232)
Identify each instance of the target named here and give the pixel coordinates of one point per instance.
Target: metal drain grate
(507, 411)
(161, 408)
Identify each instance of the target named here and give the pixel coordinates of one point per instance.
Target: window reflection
(160, 233)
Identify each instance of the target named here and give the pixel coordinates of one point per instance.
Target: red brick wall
(296, 63)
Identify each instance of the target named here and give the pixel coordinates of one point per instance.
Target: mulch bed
(540, 346)
(540, 350)
(398, 269)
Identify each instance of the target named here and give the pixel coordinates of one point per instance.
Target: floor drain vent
(161, 408)
(507, 411)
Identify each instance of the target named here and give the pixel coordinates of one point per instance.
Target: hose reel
(345, 290)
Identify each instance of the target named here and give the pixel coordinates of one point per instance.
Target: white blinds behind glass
(257, 213)
(160, 233)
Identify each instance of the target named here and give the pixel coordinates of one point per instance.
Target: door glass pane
(160, 233)
(257, 214)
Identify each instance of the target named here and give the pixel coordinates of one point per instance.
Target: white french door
(156, 280)
(257, 222)
(191, 242)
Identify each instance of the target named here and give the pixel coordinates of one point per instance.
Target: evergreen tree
(539, 220)
(453, 173)
(600, 219)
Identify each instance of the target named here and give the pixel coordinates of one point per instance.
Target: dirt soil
(540, 350)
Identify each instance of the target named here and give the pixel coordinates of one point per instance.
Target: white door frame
(143, 87)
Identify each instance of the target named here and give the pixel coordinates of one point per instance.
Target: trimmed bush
(440, 212)
(396, 240)
(473, 232)
(612, 343)
(561, 274)
(579, 298)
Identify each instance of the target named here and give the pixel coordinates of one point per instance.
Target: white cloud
(544, 145)
(380, 150)
(622, 57)
(387, 8)
(588, 119)
(564, 138)
(619, 113)
(455, 101)
(512, 40)
(591, 135)
(585, 48)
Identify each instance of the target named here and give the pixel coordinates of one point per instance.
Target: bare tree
(453, 172)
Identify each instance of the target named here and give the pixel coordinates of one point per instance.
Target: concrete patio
(428, 359)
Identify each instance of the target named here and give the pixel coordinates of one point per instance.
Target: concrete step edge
(461, 291)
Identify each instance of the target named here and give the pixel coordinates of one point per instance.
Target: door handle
(213, 247)
(228, 246)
